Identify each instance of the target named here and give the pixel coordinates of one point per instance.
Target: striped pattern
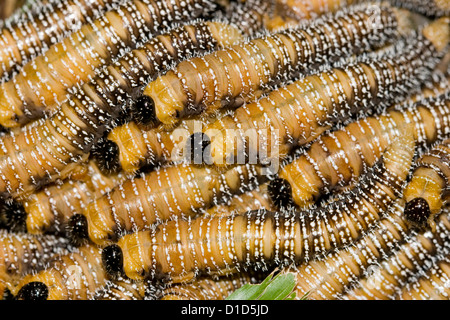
(49, 145)
(204, 84)
(181, 249)
(45, 81)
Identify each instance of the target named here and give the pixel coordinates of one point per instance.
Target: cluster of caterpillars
(180, 149)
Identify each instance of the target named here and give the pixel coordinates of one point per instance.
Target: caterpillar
(412, 259)
(136, 144)
(298, 113)
(36, 30)
(431, 286)
(22, 253)
(49, 146)
(431, 8)
(124, 289)
(49, 210)
(181, 249)
(176, 191)
(204, 84)
(427, 190)
(73, 276)
(341, 270)
(46, 80)
(206, 288)
(335, 160)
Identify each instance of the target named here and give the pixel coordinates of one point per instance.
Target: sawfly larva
(22, 253)
(49, 209)
(337, 159)
(176, 191)
(73, 276)
(204, 84)
(31, 35)
(50, 146)
(427, 190)
(298, 113)
(411, 259)
(45, 81)
(181, 249)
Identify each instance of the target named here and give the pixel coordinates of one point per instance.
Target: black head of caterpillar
(112, 258)
(33, 291)
(143, 111)
(77, 230)
(417, 211)
(13, 216)
(106, 155)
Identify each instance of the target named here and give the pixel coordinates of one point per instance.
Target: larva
(22, 253)
(206, 288)
(427, 190)
(46, 80)
(181, 249)
(38, 29)
(176, 191)
(124, 289)
(49, 146)
(336, 159)
(135, 144)
(74, 276)
(298, 113)
(431, 8)
(8, 7)
(50, 209)
(434, 285)
(411, 259)
(204, 84)
(339, 271)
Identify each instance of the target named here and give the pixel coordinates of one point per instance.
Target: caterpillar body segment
(74, 276)
(124, 289)
(181, 249)
(49, 146)
(431, 286)
(46, 80)
(306, 10)
(432, 8)
(336, 160)
(50, 209)
(178, 191)
(206, 288)
(22, 253)
(339, 272)
(427, 190)
(249, 200)
(24, 38)
(298, 113)
(204, 84)
(408, 262)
